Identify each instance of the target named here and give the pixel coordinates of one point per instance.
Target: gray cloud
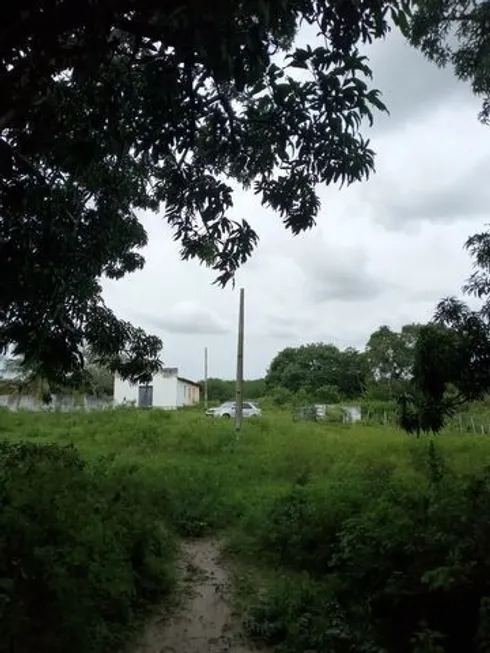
(282, 329)
(190, 318)
(462, 198)
(340, 274)
(411, 85)
(282, 333)
(345, 285)
(291, 328)
(294, 330)
(432, 295)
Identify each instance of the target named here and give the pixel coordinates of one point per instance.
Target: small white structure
(351, 413)
(166, 390)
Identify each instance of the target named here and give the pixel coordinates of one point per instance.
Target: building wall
(195, 394)
(164, 391)
(60, 402)
(124, 392)
(187, 393)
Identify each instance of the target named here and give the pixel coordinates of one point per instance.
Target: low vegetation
(83, 548)
(343, 538)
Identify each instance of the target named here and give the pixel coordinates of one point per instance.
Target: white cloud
(384, 252)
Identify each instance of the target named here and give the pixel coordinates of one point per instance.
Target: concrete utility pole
(205, 377)
(239, 363)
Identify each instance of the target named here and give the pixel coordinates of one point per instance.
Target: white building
(166, 390)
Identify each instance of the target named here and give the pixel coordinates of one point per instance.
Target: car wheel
(227, 415)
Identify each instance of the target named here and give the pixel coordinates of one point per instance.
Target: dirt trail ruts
(204, 623)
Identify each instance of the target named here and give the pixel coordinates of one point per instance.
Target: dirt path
(205, 622)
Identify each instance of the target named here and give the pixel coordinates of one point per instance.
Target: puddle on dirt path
(204, 623)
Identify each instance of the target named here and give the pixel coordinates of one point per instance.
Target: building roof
(181, 378)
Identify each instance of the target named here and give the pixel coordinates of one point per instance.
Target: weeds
(350, 539)
(81, 552)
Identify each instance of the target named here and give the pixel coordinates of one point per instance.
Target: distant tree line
(324, 373)
(220, 390)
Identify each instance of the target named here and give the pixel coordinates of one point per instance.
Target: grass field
(342, 538)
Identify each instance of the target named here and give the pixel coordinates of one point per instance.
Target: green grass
(344, 538)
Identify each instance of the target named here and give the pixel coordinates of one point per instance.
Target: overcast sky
(383, 252)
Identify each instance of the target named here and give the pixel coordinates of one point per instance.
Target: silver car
(228, 409)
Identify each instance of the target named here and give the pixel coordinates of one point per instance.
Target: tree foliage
(390, 355)
(452, 355)
(423, 406)
(319, 369)
(112, 107)
(220, 390)
(66, 582)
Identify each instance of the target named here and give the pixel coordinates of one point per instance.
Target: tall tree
(390, 355)
(452, 366)
(452, 355)
(111, 106)
(383, 352)
(353, 373)
(316, 367)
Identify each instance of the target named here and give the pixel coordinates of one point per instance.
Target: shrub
(281, 396)
(327, 394)
(300, 527)
(336, 415)
(79, 558)
(378, 412)
(407, 573)
(194, 499)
